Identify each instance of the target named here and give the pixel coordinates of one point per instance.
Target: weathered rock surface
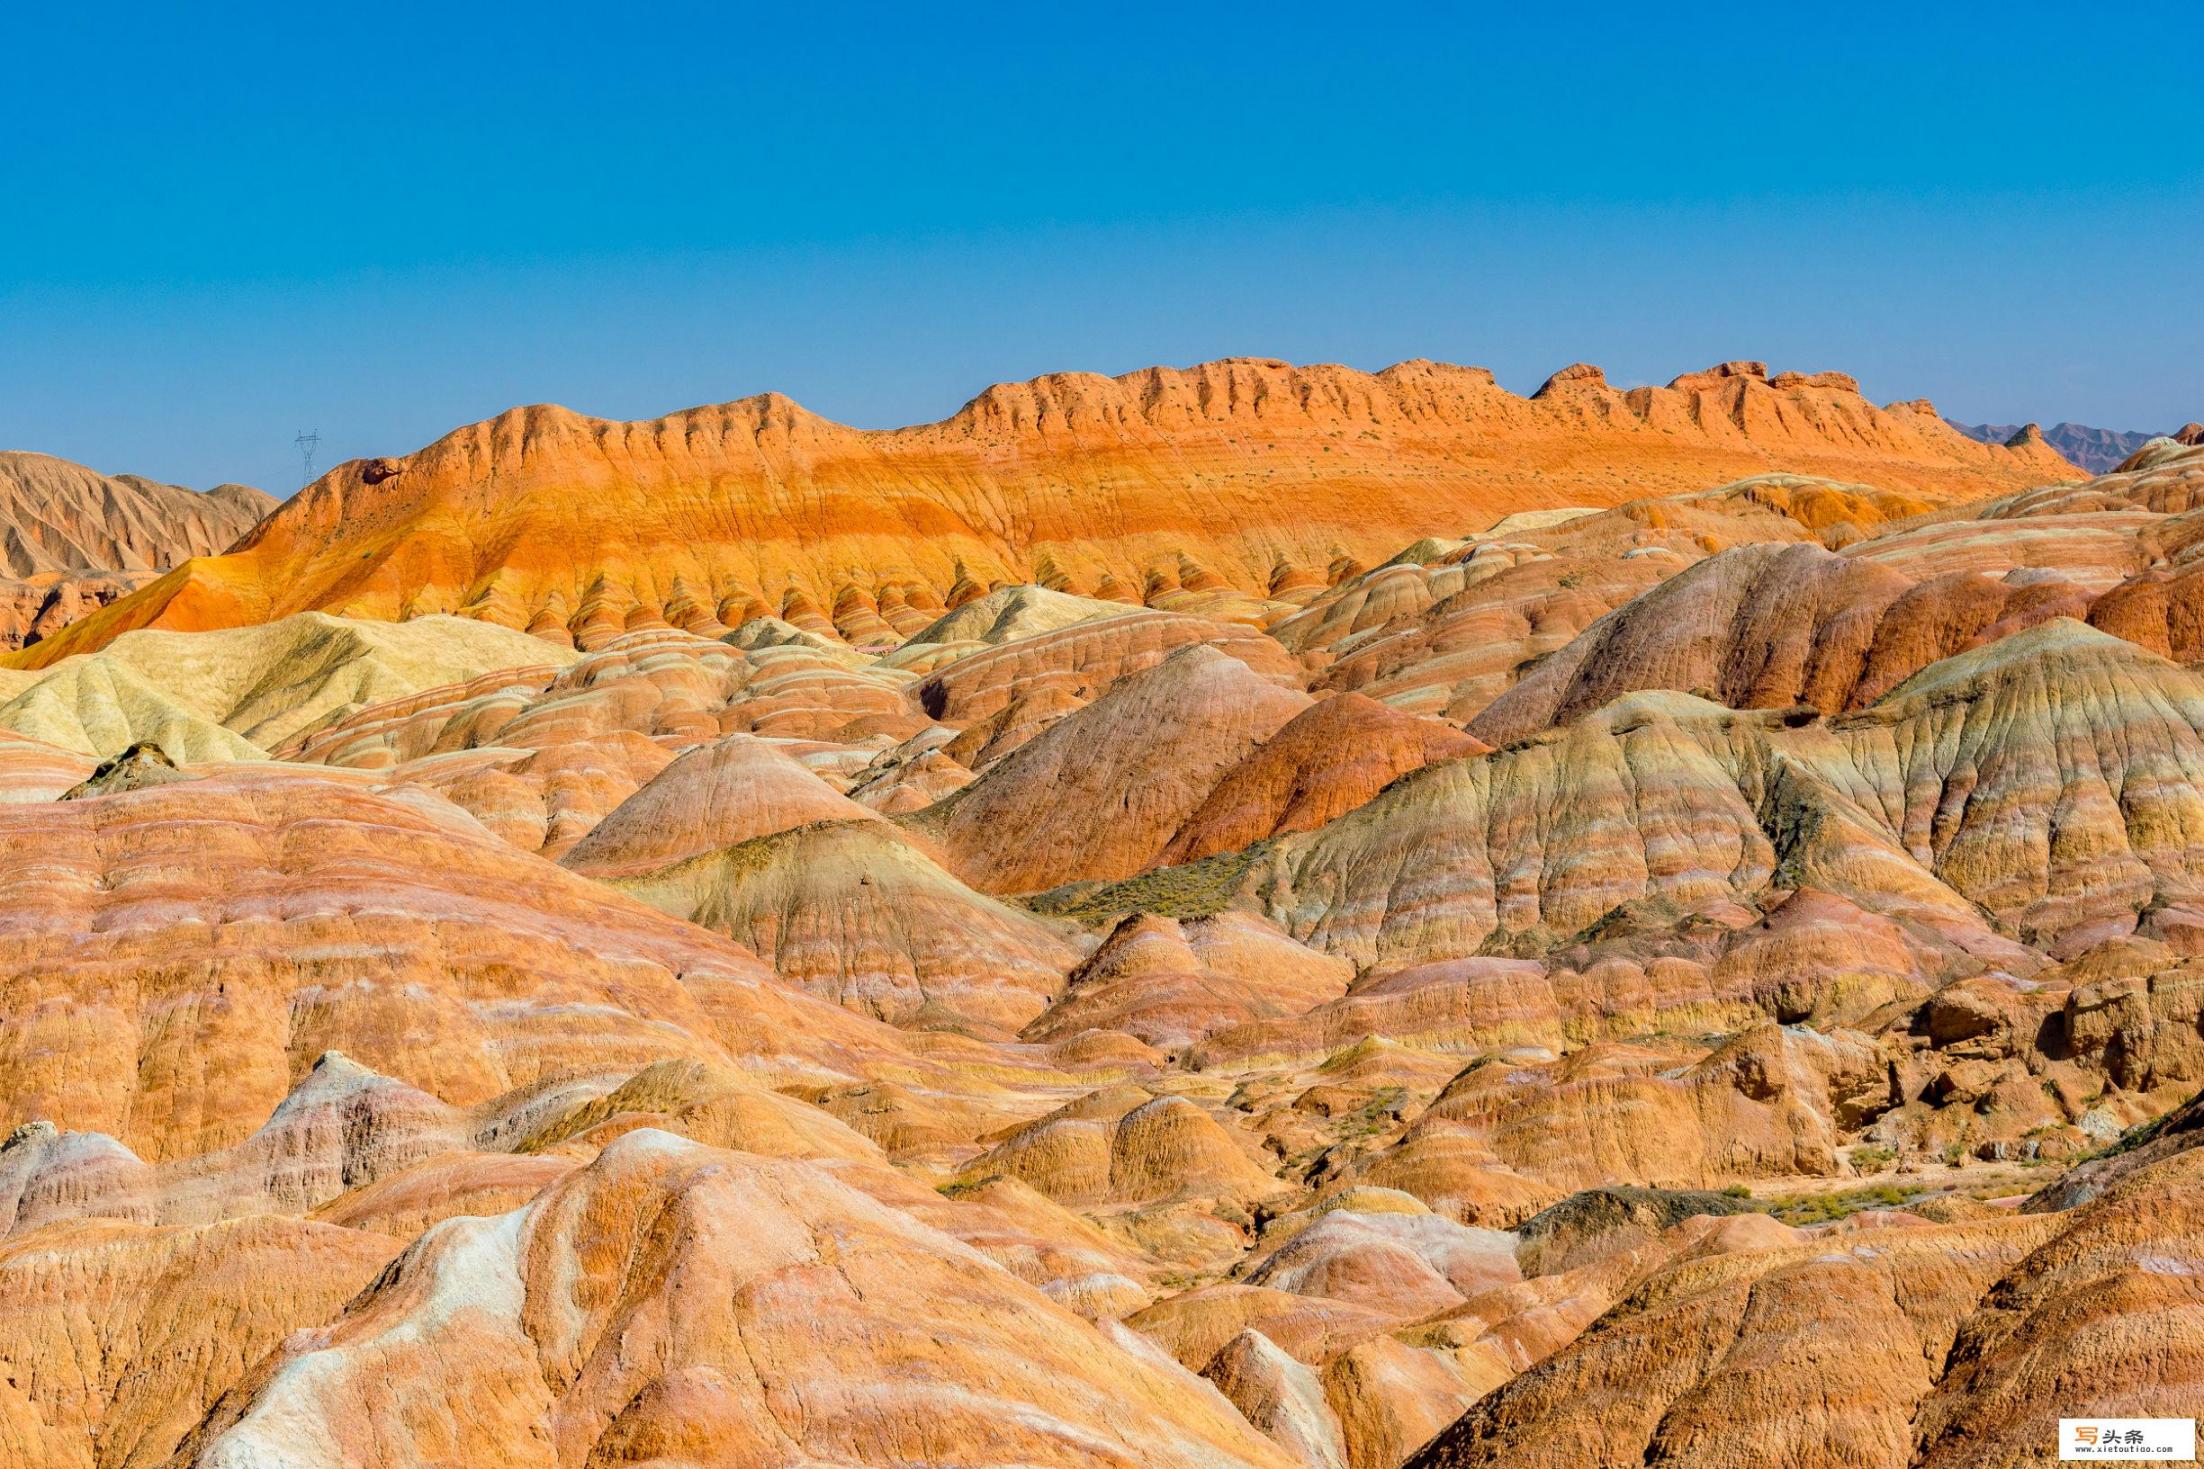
(1171, 984)
(34, 771)
(385, 925)
(1774, 627)
(732, 791)
(999, 697)
(117, 1338)
(1320, 764)
(142, 765)
(857, 913)
(2047, 778)
(63, 517)
(1915, 1344)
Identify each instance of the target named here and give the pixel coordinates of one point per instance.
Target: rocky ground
(1703, 979)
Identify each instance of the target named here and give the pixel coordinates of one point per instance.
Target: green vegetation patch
(1196, 890)
(1597, 1210)
(1821, 1208)
(2188, 1117)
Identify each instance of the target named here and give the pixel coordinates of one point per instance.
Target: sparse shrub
(1873, 1158)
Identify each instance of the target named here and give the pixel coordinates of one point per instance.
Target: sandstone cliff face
(72, 540)
(1155, 483)
(40, 605)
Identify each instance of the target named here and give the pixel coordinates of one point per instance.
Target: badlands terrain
(1245, 917)
(72, 540)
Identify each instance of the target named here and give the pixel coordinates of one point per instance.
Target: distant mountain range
(2098, 450)
(72, 540)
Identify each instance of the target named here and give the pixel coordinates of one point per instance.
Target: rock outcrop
(1920, 1344)
(1149, 752)
(2044, 778)
(383, 924)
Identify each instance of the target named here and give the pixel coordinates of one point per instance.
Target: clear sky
(223, 224)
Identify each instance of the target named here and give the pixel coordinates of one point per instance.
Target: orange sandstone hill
(1246, 476)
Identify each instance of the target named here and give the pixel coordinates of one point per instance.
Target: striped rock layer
(1249, 475)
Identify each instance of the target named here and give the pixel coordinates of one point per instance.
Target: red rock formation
(1936, 1345)
(1001, 695)
(856, 912)
(1121, 477)
(112, 1357)
(384, 925)
(1382, 1079)
(1322, 763)
(1171, 984)
(720, 795)
(1813, 1355)
(1148, 752)
(1971, 784)
(1772, 627)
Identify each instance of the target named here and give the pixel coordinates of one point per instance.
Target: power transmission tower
(308, 441)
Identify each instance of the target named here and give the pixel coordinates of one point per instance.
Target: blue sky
(231, 223)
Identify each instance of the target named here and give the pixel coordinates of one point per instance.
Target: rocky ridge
(1161, 487)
